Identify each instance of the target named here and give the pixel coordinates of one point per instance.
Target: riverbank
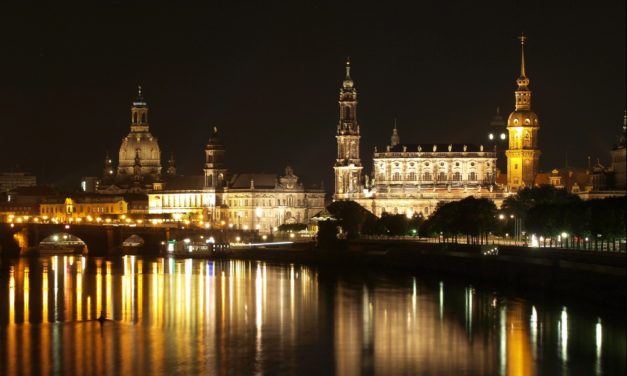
(596, 277)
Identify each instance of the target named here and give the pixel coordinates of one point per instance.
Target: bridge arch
(62, 242)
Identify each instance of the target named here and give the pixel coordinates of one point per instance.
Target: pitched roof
(260, 180)
(184, 183)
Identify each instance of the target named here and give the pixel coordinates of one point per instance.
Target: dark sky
(268, 77)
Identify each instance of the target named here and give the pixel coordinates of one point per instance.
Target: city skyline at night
(272, 82)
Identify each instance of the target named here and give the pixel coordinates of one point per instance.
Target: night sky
(268, 77)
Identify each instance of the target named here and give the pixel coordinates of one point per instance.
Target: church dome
(139, 152)
(526, 118)
(140, 147)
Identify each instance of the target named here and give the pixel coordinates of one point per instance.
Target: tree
(351, 217)
(327, 234)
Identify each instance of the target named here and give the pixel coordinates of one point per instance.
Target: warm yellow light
(140, 221)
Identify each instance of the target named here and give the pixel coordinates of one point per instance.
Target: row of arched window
(427, 176)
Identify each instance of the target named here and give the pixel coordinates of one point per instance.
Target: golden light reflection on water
(189, 316)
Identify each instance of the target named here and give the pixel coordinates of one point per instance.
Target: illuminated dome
(140, 147)
(523, 118)
(139, 152)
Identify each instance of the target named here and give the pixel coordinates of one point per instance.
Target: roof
(569, 177)
(184, 183)
(440, 148)
(260, 180)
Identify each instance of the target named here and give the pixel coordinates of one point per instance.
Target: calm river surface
(168, 317)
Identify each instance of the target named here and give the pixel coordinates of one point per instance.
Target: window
(411, 176)
(472, 176)
(396, 176)
(426, 176)
(442, 176)
(457, 176)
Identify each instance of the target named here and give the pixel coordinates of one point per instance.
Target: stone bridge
(18, 239)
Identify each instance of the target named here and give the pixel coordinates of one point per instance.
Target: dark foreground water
(183, 317)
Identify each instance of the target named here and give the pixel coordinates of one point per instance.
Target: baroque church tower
(523, 154)
(347, 164)
(215, 170)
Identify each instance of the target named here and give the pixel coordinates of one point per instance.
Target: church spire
(395, 139)
(523, 94)
(348, 81)
(522, 39)
(139, 113)
(139, 101)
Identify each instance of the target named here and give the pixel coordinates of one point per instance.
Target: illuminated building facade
(88, 208)
(523, 154)
(619, 157)
(245, 201)
(139, 167)
(408, 178)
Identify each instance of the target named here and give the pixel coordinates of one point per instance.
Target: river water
(175, 316)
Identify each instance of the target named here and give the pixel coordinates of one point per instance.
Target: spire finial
(348, 68)
(522, 39)
(498, 110)
(395, 139)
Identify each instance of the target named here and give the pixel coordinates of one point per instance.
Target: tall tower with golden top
(523, 154)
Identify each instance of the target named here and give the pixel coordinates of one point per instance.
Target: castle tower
(522, 125)
(347, 164)
(215, 171)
